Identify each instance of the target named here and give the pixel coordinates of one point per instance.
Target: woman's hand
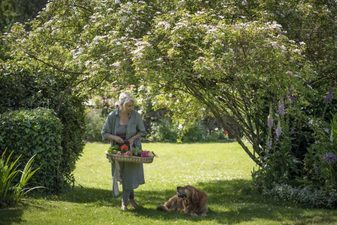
(131, 140)
(118, 140)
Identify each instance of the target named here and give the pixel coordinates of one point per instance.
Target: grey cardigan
(135, 125)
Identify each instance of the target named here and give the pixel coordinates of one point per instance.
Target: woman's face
(128, 106)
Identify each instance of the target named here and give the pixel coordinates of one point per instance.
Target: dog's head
(181, 192)
(188, 192)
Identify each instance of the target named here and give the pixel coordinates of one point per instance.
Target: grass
(223, 170)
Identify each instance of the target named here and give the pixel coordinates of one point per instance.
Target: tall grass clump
(13, 187)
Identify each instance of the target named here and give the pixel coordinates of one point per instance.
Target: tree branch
(53, 66)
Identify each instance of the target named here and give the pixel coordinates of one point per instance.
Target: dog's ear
(194, 195)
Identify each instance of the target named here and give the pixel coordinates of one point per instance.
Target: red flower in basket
(124, 148)
(128, 153)
(145, 154)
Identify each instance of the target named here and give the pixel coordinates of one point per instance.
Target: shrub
(36, 132)
(194, 133)
(11, 193)
(164, 131)
(303, 195)
(94, 123)
(320, 162)
(216, 135)
(313, 181)
(29, 89)
(71, 115)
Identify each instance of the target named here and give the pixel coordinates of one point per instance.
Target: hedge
(37, 131)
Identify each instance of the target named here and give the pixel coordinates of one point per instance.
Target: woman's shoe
(133, 204)
(124, 207)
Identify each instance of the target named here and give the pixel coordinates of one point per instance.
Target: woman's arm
(140, 130)
(133, 138)
(114, 138)
(107, 130)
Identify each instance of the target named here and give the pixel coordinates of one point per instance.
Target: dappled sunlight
(221, 170)
(232, 202)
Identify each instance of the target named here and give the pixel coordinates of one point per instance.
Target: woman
(125, 125)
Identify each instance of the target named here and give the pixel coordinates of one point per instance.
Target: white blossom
(200, 12)
(296, 50)
(87, 63)
(283, 48)
(274, 44)
(98, 38)
(124, 19)
(274, 25)
(210, 29)
(116, 64)
(141, 45)
(76, 52)
(166, 25)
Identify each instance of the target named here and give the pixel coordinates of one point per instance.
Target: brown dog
(188, 200)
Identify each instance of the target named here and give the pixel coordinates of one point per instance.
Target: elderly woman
(125, 125)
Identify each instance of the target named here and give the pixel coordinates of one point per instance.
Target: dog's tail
(162, 208)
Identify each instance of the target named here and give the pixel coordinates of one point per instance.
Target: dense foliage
(36, 132)
(12, 11)
(24, 86)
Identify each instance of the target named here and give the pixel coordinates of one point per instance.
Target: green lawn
(222, 170)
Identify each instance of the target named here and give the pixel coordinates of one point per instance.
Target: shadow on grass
(230, 202)
(99, 197)
(11, 215)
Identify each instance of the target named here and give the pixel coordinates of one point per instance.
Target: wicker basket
(133, 159)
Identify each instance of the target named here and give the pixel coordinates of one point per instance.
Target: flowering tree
(239, 71)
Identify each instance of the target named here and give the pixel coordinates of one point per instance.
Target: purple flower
(329, 157)
(269, 144)
(291, 97)
(270, 121)
(328, 98)
(278, 132)
(280, 109)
